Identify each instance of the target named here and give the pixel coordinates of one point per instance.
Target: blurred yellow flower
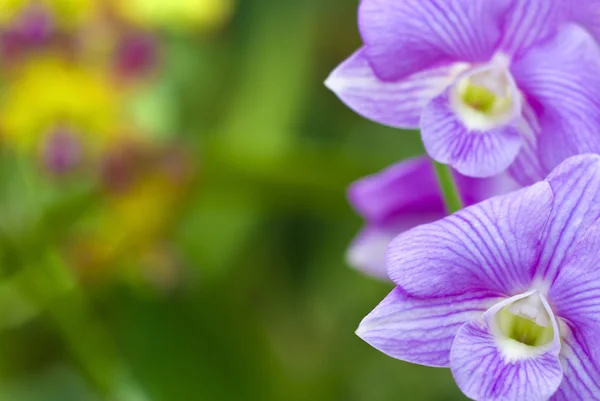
(67, 13)
(145, 186)
(178, 14)
(49, 94)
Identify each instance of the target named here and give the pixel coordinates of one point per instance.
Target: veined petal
(404, 196)
(581, 381)
(420, 330)
(491, 246)
(575, 184)
(483, 373)
(472, 152)
(527, 168)
(397, 104)
(575, 292)
(410, 188)
(530, 22)
(404, 37)
(561, 81)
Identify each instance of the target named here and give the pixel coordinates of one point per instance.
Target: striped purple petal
(530, 22)
(575, 185)
(420, 331)
(575, 293)
(527, 168)
(560, 80)
(472, 152)
(397, 104)
(405, 37)
(401, 197)
(491, 247)
(581, 381)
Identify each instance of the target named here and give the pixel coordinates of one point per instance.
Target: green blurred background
(249, 296)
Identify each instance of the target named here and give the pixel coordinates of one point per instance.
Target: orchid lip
(486, 97)
(524, 326)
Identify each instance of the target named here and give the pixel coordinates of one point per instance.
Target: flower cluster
(74, 72)
(69, 69)
(144, 185)
(505, 291)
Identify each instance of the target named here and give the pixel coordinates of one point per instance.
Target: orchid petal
(489, 366)
(575, 184)
(530, 22)
(401, 197)
(471, 152)
(397, 104)
(487, 247)
(483, 373)
(367, 252)
(527, 168)
(575, 292)
(561, 81)
(404, 37)
(585, 13)
(581, 381)
(408, 188)
(420, 331)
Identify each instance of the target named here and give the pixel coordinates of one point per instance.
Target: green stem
(50, 286)
(448, 186)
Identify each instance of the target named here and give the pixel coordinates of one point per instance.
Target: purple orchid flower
(506, 293)
(401, 197)
(491, 84)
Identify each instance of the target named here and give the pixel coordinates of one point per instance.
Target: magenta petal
(471, 152)
(491, 246)
(397, 104)
(483, 373)
(419, 331)
(408, 36)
